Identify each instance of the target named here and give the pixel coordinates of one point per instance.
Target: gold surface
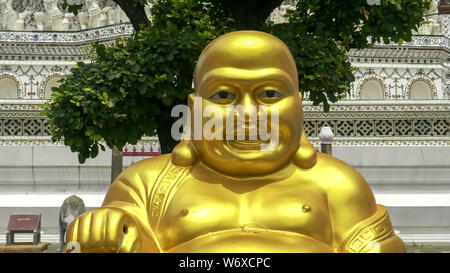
(228, 195)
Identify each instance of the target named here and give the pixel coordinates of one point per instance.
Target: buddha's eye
(269, 94)
(223, 95)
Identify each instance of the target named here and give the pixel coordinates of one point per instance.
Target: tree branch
(135, 12)
(250, 14)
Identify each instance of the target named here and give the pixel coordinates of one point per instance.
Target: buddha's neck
(205, 173)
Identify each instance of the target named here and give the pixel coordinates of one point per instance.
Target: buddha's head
(256, 72)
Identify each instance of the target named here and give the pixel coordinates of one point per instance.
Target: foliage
(324, 71)
(320, 33)
(351, 23)
(118, 96)
(126, 91)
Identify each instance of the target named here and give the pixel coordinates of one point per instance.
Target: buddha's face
(248, 69)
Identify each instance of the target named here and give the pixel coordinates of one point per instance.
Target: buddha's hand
(102, 230)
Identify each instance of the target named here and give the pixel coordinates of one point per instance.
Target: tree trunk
(137, 16)
(250, 14)
(116, 163)
(135, 12)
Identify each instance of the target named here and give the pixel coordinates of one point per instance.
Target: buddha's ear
(306, 156)
(184, 154)
(191, 98)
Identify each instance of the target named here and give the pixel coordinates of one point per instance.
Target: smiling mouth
(246, 144)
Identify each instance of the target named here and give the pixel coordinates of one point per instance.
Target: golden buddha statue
(230, 195)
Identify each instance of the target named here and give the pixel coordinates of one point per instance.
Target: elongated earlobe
(306, 156)
(184, 154)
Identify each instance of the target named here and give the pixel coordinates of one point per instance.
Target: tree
(127, 91)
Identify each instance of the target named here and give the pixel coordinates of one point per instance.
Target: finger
(96, 228)
(71, 233)
(84, 232)
(113, 229)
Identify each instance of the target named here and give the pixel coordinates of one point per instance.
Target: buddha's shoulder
(147, 170)
(337, 177)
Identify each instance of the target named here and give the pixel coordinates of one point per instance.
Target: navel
(306, 208)
(184, 212)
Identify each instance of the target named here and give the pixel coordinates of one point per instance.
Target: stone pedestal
(24, 248)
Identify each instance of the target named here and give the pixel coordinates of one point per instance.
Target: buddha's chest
(199, 208)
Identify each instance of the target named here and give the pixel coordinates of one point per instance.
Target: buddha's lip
(246, 144)
(245, 133)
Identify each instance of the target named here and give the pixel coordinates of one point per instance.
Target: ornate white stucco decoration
(423, 79)
(8, 16)
(372, 77)
(61, 38)
(432, 25)
(17, 81)
(277, 15)
(48, 15)
(94, 16)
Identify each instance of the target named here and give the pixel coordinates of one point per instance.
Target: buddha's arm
(125, 204)
(374, 234)
(128, 195)
(359, 224)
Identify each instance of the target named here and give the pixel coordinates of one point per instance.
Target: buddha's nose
(250, 109)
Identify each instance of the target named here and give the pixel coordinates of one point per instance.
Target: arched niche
(420, 90)
(49, 83)
(9, 88)
(371, 89)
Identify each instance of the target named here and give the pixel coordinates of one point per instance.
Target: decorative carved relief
(6, 89)
(48, 83)
(365, 82)
(427, 82)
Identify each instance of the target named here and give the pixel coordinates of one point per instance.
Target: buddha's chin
(248, 163)
(244, 158)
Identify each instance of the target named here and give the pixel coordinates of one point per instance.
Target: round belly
(238, 241)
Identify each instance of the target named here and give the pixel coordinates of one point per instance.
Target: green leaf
(167, 101)
(97, 137)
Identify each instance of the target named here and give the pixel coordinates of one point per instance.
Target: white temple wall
(49, 168)
(413, 182)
